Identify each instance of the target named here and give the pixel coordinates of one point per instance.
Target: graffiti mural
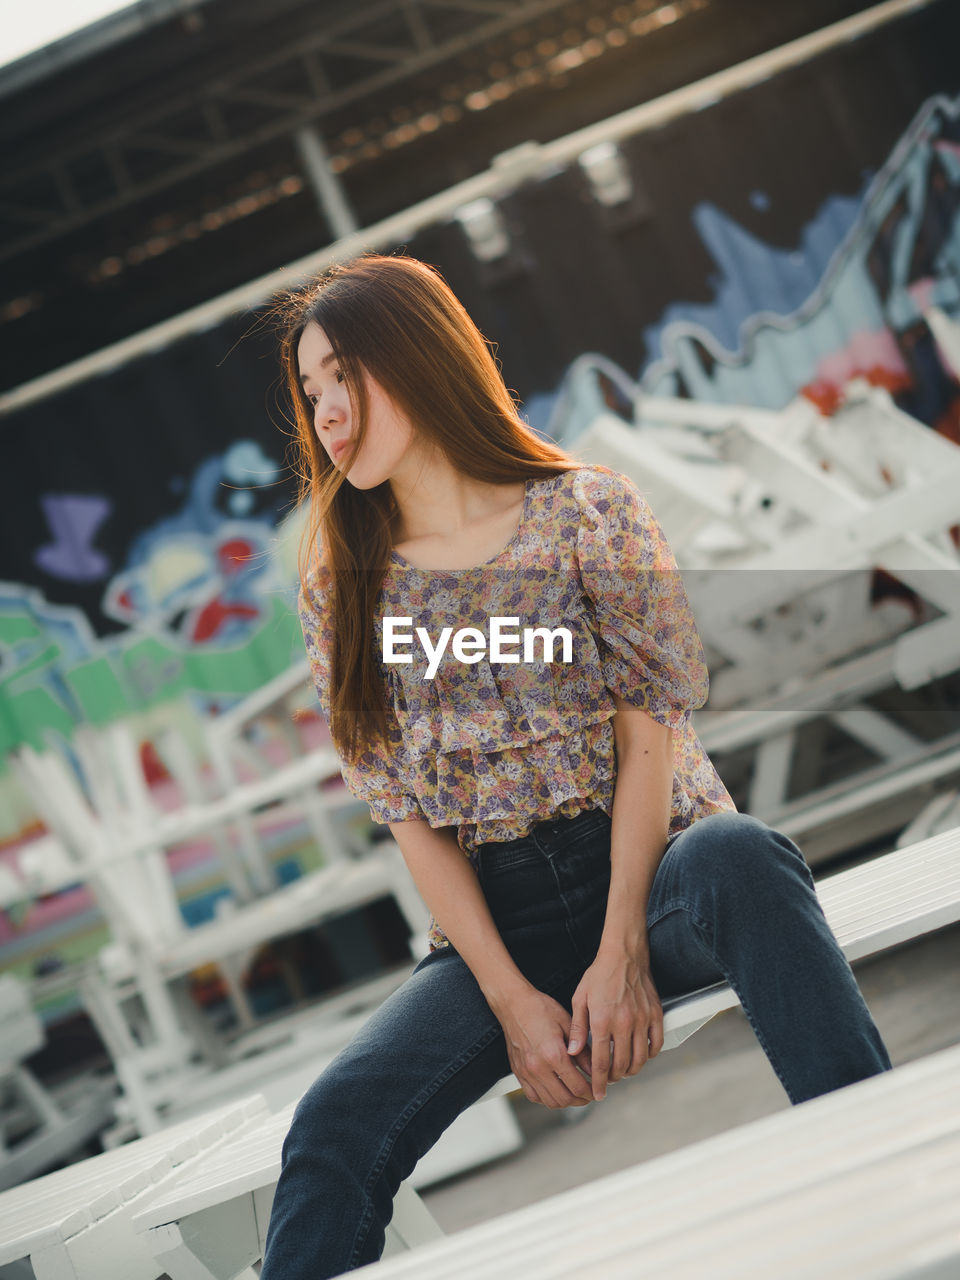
(74, 520)
(201, 572)
(204, 597)
(151, 566)
(889, 255)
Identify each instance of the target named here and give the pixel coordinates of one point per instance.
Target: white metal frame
(118, 848)
(778, 521)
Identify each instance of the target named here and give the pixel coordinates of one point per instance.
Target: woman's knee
(740, 853)
(736, 836)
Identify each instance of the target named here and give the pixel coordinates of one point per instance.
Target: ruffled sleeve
(649, 648)
(380, 777)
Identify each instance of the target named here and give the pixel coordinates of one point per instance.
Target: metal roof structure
(185, 147)
(301, 65)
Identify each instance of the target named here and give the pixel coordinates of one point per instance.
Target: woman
(606, 865)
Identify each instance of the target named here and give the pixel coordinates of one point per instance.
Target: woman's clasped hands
(536, 1028)
(616, 1003)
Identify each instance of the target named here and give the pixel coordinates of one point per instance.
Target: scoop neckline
(524, 515)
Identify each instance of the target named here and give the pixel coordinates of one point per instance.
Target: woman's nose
(329, 414)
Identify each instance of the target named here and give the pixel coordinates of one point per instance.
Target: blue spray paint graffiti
(778, 328)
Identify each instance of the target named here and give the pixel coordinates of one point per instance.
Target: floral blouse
(494, 748)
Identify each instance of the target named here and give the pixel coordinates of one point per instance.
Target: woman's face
(390, 435)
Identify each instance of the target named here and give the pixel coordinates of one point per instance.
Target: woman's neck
(481, 539)
(441, 504)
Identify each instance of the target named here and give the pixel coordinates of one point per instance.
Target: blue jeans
(733, 900)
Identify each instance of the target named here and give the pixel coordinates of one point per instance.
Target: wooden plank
(314, 897)
(867, 1172)
(40, 1213)
(238, 1170)
(871, 787)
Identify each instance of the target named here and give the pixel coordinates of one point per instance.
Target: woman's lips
(339, 447)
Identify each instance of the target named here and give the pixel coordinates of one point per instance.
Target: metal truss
(262, 100)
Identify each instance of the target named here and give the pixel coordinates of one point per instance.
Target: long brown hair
(398, 319)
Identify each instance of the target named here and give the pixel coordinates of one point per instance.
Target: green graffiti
(131, 673)
(15, 628)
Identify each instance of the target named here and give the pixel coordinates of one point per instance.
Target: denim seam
(421, 1099)
(703, 929)
(567, 924)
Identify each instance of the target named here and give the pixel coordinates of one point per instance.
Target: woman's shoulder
(315, 593)
(591, 486)
(589, 475)
(596, 481)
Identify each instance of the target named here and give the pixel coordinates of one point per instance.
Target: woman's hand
(616, 1001)
(536, 1028)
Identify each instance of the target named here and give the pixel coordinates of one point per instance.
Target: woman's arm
(641, 823)
(616, 999)
(535, 1025)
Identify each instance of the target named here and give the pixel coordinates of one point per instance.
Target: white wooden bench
(193, 1225)
(76, 1222)
(213, 1222)
(863, 1182)
(207, 1212)
(83, 1222)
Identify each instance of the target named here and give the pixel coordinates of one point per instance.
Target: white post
(326, 185)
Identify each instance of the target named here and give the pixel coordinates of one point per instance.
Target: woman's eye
(313, 397)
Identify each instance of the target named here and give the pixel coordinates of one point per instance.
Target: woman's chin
(359, 478)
